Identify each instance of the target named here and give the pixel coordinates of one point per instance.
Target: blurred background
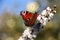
(11, 23)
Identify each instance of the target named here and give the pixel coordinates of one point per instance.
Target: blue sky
(13, 5)
(17, 5)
